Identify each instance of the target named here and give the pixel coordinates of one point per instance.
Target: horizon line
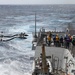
(37, 4)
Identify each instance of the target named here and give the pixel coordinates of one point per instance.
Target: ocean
(15, 54)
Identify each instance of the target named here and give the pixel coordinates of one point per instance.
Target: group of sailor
(21, 34)
(59, 40)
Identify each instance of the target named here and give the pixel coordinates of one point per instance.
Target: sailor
(42, 33)
(54, 39)
(21, 34)
(73, 46)
(73, 41)
(67, 39)
(70, 38)
(49, 40)
(61, 41)
(64, 41)
(57, 40)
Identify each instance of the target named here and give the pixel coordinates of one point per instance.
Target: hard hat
(68, 34)
(57, 34)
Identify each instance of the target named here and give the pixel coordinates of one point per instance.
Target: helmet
(57, 34)
(68, 34)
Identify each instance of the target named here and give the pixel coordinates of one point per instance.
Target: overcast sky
(37, 1)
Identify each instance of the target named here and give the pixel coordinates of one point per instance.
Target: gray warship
(52, 60)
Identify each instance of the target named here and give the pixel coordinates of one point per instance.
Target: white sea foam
(9, 67)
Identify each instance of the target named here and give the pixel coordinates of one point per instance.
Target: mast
(35, 27)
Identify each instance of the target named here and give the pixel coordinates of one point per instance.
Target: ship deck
(58, 56)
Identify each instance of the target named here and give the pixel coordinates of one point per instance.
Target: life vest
(57, 38)
(49, 38)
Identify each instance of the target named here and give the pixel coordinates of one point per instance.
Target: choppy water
(15, 54)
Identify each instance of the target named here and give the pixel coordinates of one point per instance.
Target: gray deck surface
(57, 53)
